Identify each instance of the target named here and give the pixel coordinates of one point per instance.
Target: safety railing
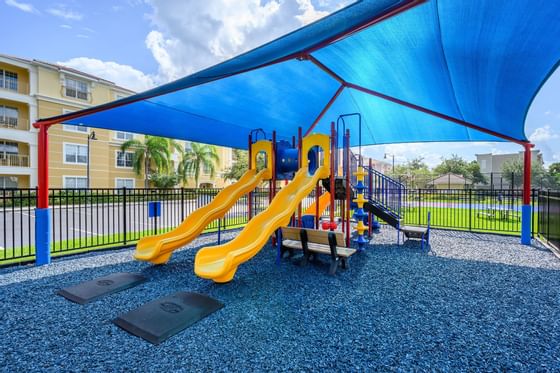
(14, 123)
(549, 217)
(14, 160)
(86, 220)
(92, 219)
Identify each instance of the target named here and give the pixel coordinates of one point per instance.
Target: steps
(385, 197)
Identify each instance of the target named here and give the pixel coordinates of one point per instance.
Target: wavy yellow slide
(219, 263)
(158, 249)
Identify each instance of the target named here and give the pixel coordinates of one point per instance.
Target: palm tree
(152, 152)
(199, 156)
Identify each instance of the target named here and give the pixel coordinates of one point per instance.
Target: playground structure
(400, 64)
(314, 162)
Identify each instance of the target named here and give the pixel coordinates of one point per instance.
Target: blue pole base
(43, 223)
(526, 217)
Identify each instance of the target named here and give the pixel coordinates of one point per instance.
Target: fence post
(124, 214)
(533, 192)
(182, 203)
(470, 209)
(548, 216)
(419, 207)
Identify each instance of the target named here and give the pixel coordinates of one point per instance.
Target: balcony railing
(14, 86)
(14, 123)
(14, 160)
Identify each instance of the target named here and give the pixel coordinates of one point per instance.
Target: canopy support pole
(325, 109)
(331, 179)
(43, 217)
(526, 209)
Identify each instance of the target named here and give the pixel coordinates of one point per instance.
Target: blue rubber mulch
(395, 309)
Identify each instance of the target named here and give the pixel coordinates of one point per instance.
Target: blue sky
(141, 43)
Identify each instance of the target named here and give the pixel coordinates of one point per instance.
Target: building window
(124, 183)
(8, 182)
(76, 89)
(75, 153)
(75, 182)
(124, 136)
(8, 148)
(9, 116)
(8, 80)
(124, 159)
(73, 128)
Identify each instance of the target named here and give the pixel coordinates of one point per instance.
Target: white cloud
(24, 7)
(123, 75)
(543, 134)
(90, 30)
(82, 36)
(309, 14)
(66, 26)
(556, 157)
(548, 112)
(62, 12)
(191, 35)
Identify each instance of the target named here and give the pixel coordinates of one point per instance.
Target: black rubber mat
(91, 290)
(164, 317)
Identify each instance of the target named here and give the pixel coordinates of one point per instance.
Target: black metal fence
(488, 180)
(549, 217)
(480, 210)
(85, 220)
(92, 219)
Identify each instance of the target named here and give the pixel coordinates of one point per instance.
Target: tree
(239, 166)
(474, 174)
(554, 174)
(151, 155)
(414, 173)
(454, 165)
(458, 166)
(164, 181)
(513, 172)
(194, 160)
(554, 169)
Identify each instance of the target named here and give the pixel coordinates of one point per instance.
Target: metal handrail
(18, 87)
(14, 160)
(19, 123)
(386, 192)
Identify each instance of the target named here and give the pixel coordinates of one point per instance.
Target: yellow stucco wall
(23, 76)
(23, 113)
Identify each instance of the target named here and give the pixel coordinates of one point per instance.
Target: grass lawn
(91, 243)
(465, 219)
(441, 217)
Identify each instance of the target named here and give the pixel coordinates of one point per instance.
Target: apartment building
(494, 163)
(31, 89)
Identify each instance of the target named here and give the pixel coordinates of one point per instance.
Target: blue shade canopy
(444, 70)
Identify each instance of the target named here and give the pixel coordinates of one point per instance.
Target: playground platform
(478, 301)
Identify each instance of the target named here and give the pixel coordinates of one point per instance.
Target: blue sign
(154, 209)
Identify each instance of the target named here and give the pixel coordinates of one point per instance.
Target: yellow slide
(158, 249)
(219, 263)
(324, 201)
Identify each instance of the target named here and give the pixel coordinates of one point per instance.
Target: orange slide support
(324, 202)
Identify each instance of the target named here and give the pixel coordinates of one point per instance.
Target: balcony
(14, 86)
(14, 160)
(14, 123)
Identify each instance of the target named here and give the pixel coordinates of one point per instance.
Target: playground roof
(416, 70)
